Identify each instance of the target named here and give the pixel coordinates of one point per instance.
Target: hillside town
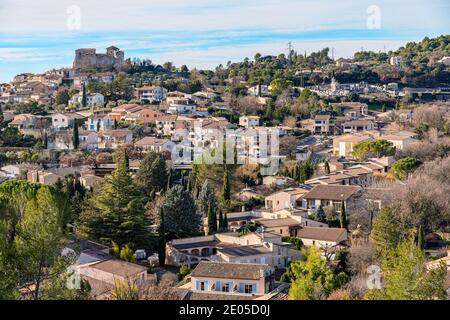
(297, 176)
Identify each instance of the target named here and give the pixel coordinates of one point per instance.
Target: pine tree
(76, 137)
(180, 213)
(212, 220)
(386, 232)
(32, 237)
(116, 210)
(320, 215)
(406, 276)
(152, 174)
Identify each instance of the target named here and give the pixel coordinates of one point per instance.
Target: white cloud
(296, 15)
(26, 54)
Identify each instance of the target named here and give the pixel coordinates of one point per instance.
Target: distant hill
(419, 66)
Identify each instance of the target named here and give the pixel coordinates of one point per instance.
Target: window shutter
(241, 288)
(218, 286)
(206, 286)
(198, 285)
(254, 288)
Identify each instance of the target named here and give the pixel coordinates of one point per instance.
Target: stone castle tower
(87, 60)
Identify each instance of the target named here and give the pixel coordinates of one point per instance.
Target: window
(202, 285)
(226, 287)
(248, 288)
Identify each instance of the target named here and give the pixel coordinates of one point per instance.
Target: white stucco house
(92, 99)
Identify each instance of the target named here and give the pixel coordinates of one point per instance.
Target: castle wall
(89, 60)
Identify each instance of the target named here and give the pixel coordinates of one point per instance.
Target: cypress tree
(225, 222)
(226, 193)
(420, 237)
(205, 198)
(212, 220)
(45, 140)
(343, 217)
(127, 160)
(75, 138)
(84, 98)
(222, 226)
(169, 181)
(220, 220)
(327, 167)
(188, 184)
(294, 173)
(162, 239)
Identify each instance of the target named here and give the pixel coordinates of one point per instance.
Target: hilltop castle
(88, 60)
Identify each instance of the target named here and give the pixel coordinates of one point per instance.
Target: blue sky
(35, 35)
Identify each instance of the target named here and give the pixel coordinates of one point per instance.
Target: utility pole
(289, 49)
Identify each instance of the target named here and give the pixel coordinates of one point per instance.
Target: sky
(36, 36)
